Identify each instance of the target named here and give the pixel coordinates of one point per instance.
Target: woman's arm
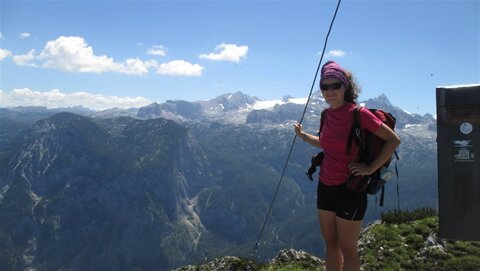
(309, 138)
(391, 143)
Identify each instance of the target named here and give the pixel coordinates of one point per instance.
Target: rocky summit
(286, 257)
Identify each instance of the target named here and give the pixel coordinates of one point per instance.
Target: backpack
(369, 147)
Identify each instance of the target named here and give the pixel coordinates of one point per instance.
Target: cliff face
(80, 195)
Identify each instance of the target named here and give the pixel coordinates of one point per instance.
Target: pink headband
(332, 70)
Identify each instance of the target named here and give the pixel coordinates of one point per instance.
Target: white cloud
(179, 68)
(25, 60)
(135, 66)
(336, 53)
(73, 54)
(56, 98)
(4, 54)
(157, 50)
(24, 35)
(227, 52)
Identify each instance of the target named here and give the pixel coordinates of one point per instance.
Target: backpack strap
(398, 188)
(356, 133)
(382, 195)
(322, 120)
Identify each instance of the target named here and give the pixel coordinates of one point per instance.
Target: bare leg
(348, 233)
(328, 226)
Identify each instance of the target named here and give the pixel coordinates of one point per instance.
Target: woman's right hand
(310, 139)
(299, 129)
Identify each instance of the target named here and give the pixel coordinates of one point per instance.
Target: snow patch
(410, 126)
(258, 105)
(298, 100)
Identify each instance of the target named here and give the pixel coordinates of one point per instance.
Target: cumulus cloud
(227, 52)
(56, 98)
(179, 67)
(26, 59)
(4, 54)
(157, 50)
(336, 53)
(72, 54)
(135, 66)
(24, 35)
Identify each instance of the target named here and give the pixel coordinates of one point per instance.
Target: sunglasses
(333, 86)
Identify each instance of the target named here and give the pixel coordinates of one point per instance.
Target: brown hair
(353, 90)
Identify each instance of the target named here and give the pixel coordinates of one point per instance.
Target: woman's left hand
(360, 169)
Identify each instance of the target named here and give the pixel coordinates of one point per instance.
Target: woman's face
(333, 91)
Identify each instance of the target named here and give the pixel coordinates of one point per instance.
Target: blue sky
(102, 54)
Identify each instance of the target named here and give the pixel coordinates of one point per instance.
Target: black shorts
(344, 202)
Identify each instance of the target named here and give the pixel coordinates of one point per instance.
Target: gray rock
(301, 258)
(228, 263)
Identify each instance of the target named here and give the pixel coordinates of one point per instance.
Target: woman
(341, 210)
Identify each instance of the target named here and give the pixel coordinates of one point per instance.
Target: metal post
(458, 146)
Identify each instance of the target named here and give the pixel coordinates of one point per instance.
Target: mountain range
(175, 183)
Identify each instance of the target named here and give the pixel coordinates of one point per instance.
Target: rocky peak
(382, 98)
(231, 101)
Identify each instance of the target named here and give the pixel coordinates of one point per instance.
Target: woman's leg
(328, 226)
(348, 232)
